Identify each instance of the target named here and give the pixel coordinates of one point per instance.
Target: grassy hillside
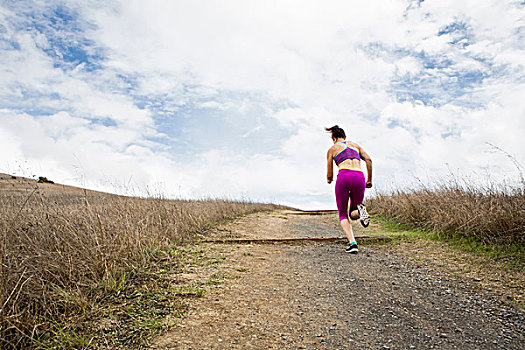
(493, 215)
(63, 248)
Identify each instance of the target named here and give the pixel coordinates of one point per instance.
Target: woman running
(350, 184)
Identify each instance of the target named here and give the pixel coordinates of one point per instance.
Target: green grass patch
(138, 305)
(216, 259)
(220, 276)
(510, 255)
(212, 282)
(211, 224)
(391, 232)
(62, 337)
(190, 291)
(241, 269)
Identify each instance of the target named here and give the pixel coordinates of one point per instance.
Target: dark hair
(337, 132)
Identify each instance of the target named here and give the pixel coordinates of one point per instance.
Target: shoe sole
(353, 251)
(363, 215)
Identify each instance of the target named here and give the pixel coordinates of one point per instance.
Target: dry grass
(489, 215)
(62, 252)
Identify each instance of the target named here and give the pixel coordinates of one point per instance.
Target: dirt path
(317, 296)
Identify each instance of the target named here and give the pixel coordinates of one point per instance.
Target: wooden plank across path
(292, 239)
(309, 212)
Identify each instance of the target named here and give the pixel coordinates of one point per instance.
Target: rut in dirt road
(320, 297)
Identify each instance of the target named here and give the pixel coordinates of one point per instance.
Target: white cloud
(231, 97)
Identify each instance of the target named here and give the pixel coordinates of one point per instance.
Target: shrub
(43, 179)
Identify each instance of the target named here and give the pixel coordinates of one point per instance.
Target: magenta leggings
(350, 185)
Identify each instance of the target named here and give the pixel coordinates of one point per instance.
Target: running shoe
(363, 215)
(352, 248)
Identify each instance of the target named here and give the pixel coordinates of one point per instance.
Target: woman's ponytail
(337, 132)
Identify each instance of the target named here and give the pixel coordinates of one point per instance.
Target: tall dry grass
(490, 214)
(61, 252)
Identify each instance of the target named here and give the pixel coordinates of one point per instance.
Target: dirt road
(317, 296)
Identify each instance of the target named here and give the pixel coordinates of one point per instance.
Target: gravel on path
(317, 296)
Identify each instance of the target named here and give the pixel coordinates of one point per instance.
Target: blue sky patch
(439, 82)
(109, 122)
(437, 88)
(205, 128)
(459, 33)
(64, 31)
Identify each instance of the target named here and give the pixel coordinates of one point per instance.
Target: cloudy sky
(229, 98)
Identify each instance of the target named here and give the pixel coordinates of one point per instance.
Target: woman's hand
(329, 181)
(369, 184)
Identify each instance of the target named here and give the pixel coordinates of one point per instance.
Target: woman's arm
(329, 167)
(368, 161)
